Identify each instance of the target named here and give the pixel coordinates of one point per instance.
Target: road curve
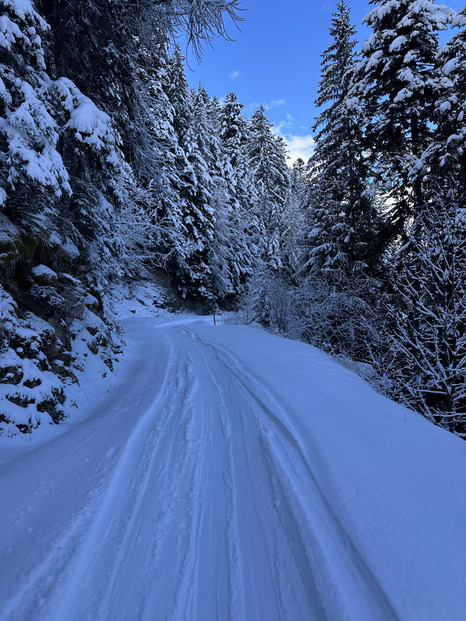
(189, 495)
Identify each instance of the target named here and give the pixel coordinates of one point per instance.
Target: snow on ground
(225, 473)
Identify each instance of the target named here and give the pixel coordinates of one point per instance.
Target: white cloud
(234, 74)
(298, 146)
(279, 127)
(275, 103)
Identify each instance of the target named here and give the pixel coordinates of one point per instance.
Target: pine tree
(270, 176)
(430, 314)
(195, 273)
(233, 135)
(449, 145)
(344, 233)
(51, 131)
(153, 214)
(343, 236)
(32, 172)
(396, 84)
(344, 246)
(177, 90)
(294, 238)
(222, 280)
(267, 161)
(179, 230)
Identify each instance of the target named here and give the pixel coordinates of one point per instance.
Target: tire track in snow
(243, 443)
(235, 599)
(184, 597)
(167, 562)
(69, 600)
(160, 507)
(214, 404)
(135, 531)
(323, 536)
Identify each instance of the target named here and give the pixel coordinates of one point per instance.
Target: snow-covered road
(230, 474)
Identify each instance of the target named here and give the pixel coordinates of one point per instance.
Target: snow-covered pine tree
(296, 219)
(344, 233)
(194, 274)
(177, 90)
(32, 173)
(233, 135)
(270, 176)
(449, 145)
(152, 211)
(60, 151)
(344, 247)
(196, 249)
(222, 281)
(430, 317)
(395, 87)
(175, 216)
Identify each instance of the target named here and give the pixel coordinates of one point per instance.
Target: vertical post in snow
(213, 314)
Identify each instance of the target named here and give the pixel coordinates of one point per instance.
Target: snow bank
(393, 480)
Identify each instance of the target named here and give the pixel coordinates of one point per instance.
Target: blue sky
(275, 61)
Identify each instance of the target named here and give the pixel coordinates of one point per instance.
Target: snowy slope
(224, 473)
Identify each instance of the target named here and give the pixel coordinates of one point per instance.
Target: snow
(406, 75)
(404, 93)
(32, 135)
(86, 118)
(44, 271)
(89, 124)
(450, 66)
(24, 8)
(459, 20)
(90, 300)
(70, 248)
(374, 60)
(9, 32)
(397, 43)
(225, 473)
(381, 11)
(445, 106)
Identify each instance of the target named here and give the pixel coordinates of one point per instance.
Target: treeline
(111, 165)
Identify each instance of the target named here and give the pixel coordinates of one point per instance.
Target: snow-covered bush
(274, 303)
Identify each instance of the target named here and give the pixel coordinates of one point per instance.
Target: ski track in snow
(295, 488)
(189, 495)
